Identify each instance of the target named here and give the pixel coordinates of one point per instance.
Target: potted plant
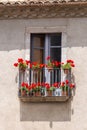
(33, 88)
(52, 64)
(22, 64)
(49, 64)
(65, 88)
(24, 89)
(46, 88)
(58, 90)
(35, 66)
(51, 90)
(67, 66)
(38, 89)
(72, 86)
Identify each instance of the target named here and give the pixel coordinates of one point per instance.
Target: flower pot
(38, 93)
(22, 69)
(64, 93)
(35, 71)
(49, 93)
(66, 71)
(50, 69)
(58, 92)
(23, 93)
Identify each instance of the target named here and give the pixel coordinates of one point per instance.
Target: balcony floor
(44, 98)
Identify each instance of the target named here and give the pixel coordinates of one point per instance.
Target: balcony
(43, 85)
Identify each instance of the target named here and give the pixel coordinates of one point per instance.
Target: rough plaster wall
(16, 115)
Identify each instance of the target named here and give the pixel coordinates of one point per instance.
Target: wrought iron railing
(44, 82)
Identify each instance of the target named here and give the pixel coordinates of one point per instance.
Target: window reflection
(55, 39)
(38, 55)
(55, 53)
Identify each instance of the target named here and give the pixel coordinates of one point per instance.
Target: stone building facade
(18, 19)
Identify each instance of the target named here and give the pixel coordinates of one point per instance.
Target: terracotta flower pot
(50, 69)
(38, 93)
(64, 93)
(49, 93)
(22, 69)
(35, 71)
(23, 93)
(66, 71)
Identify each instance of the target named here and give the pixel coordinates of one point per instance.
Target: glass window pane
(55, 54)
(38, 40)
(55, 39)
(38, 55)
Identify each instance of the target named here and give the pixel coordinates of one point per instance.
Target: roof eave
(61, 10)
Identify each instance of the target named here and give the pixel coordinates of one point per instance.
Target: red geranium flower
(23, 84)
(48, 58)
(42, 65)
(30, 65)
(72, 86)
(66, 81)
(16, 64)
(20, 60)
(72, 65)
(22, 64)
(27, 62)
(70, 61)
(26, 84)
(63, 84)
(55, 85)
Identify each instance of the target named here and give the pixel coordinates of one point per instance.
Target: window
(43, 45)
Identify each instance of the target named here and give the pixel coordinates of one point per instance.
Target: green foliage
(66, 66)
(52, 88)
(22, 66)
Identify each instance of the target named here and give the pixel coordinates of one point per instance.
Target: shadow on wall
(45, 111)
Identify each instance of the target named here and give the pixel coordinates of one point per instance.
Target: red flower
(43, 84)
(72, 65)
(48, 58)
(27, 62)
(30, 65)
(29, 88)
(63, 84)
(20, 60)
(33, 85)
(23, 84)
(55, 85)
(66, 81)
(56, 63)
(47, 86)
(16, 64)
(26, 84)
(70, 61)
(41, 65)
(72, 86)
(38, 84)
(34, 63)
(62, 63)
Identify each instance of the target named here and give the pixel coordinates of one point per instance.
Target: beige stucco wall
(15, 115)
